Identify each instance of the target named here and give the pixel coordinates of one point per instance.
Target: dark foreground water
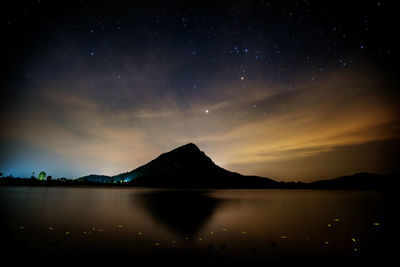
(59, 225)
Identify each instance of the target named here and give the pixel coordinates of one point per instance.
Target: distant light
(92, 53)
(361, 46)
(242, 78)
(206, 111)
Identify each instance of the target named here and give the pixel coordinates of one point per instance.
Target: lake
(95, 225)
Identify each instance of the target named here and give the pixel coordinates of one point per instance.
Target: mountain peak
(188, 148)
(185, 155)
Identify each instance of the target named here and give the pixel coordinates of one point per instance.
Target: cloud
(114, 123)
(315, 119)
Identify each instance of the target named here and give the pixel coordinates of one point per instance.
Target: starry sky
(300, 90)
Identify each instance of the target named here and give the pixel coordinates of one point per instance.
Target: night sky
(300, 90)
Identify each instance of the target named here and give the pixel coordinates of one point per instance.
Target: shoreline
(28, 182)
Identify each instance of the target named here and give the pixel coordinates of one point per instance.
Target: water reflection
(105, 225)
(182, 211)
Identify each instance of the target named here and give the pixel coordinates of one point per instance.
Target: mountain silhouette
(361, 180)
(94, 178)
(189, 167)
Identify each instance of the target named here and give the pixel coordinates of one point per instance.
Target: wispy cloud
(251, 122)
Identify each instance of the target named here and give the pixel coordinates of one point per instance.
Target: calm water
(100, 224)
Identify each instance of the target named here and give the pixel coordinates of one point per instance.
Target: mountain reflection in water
(181, 211)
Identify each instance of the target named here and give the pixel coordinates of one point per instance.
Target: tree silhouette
(42, 176)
